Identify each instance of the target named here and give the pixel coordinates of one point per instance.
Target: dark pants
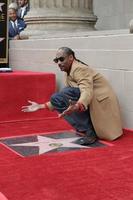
(81, 121)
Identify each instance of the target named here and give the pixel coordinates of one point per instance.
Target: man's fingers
(31, 102)
(30, 108)
(26, 110)
(66, 112)
(71, 102)
(69, 110)
(27, 107)
(61, 115)
(24, 106)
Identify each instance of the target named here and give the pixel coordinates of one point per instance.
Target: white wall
(113, 14)
(112, 55)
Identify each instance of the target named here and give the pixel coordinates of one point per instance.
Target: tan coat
(97, 93)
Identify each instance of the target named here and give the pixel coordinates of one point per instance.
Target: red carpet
(18, 87)
(33, 126)
(103, 173)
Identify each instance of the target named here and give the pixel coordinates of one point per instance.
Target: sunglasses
(56, 60)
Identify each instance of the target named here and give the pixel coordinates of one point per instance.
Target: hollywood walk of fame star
(1, 4)
(46, 144)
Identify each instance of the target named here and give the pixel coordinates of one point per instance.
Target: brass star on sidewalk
(46, 144)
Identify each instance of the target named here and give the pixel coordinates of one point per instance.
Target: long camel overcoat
(97, 93)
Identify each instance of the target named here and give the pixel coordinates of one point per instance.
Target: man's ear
(71, 57)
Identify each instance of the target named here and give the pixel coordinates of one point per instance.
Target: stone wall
(113, 14)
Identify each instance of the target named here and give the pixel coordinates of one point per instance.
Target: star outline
(44, 144)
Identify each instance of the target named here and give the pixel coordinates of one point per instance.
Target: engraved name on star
(1, 4)
(46, 144)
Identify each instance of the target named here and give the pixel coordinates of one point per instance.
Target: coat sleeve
(84, 80)
(65, 80)
(21, 25)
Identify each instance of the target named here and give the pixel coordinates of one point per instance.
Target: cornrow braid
(69, 51)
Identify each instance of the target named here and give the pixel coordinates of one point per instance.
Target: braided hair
(69, 52)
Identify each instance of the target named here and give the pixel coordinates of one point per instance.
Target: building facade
(113, 14)
(81, 15)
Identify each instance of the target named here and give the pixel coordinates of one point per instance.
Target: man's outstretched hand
(32, 107)
(73, 107)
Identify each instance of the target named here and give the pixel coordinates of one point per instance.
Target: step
(110, 41)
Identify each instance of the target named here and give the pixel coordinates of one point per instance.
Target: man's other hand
(73, 107)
